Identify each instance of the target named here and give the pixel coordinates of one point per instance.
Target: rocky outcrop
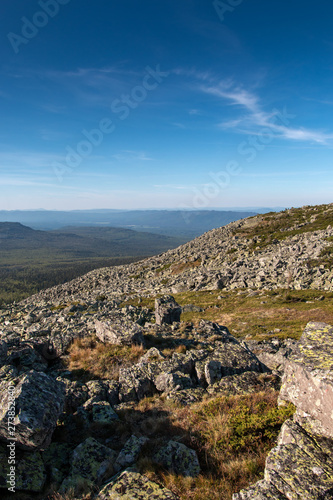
(188, 363)
(197, 368)
(167, 310)
(301, 465)
(308, 377)
(91, 463)
(39, 401)
(119, 331)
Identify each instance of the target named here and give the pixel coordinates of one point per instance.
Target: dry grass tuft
(89, 358)
(231, 435)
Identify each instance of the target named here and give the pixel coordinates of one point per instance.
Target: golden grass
(260, 315)
(89, 359)
(231, 435)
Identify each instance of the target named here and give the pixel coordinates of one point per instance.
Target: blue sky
(168, 104)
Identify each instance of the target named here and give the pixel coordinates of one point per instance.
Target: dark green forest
(32, 260)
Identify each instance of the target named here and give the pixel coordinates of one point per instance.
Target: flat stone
(134, 486)
(119, 333)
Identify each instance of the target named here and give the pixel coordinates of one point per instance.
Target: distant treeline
(19, 282)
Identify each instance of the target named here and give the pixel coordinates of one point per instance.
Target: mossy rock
(134, 486)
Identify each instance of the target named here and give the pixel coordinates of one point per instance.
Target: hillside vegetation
(185, 351)
(31, 260)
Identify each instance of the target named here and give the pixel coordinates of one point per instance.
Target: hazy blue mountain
(187, 224)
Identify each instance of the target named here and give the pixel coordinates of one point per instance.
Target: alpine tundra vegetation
(202, 372)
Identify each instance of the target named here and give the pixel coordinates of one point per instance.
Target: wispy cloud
(172, 186)
(129, 155)
(194, 112)
(254, 116)
(297, 173)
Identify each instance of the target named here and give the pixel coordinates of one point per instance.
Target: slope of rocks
(238, 255)
(36, 333)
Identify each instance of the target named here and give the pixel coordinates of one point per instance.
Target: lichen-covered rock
(167, 310)
(153, 354)
(187, 396)
(135, 383)
(273, 353)
(134, 486)
(294, 474)
(27, 358)
(57, 459)
(178, 458)
(3, 352)
(120, 332)
(30, 474)
(130, 452)
(262, 490)
(167, 382)
(92, 462)
(112, 391)
(103, 413)
(229, 359)
(76, 394)
(39, 401)
(96, 388)
(301, 465)
(245, 383)
(308, 377)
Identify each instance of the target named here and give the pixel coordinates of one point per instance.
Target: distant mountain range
(82, 242)
(180, 223)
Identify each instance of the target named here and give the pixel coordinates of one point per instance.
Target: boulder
(298, 467)
(186, 397)
(135, 383)
(30, 474)
(120, 333)
(103, 413)
(167, 382)
(245, 383)
(39, 401)
(167, 310)
(134, 486)
(27, 358)
(308, 377)
(178, 458)
(130, 452)
(92, 462)
(229, 359)
(301, 465)
(3, 352)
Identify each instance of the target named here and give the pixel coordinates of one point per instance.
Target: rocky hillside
(101, 399)
(292, 249)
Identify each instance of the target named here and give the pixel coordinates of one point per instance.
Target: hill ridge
(242, 254)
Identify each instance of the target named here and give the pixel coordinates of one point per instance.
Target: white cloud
(128, 155)
(256, 117)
